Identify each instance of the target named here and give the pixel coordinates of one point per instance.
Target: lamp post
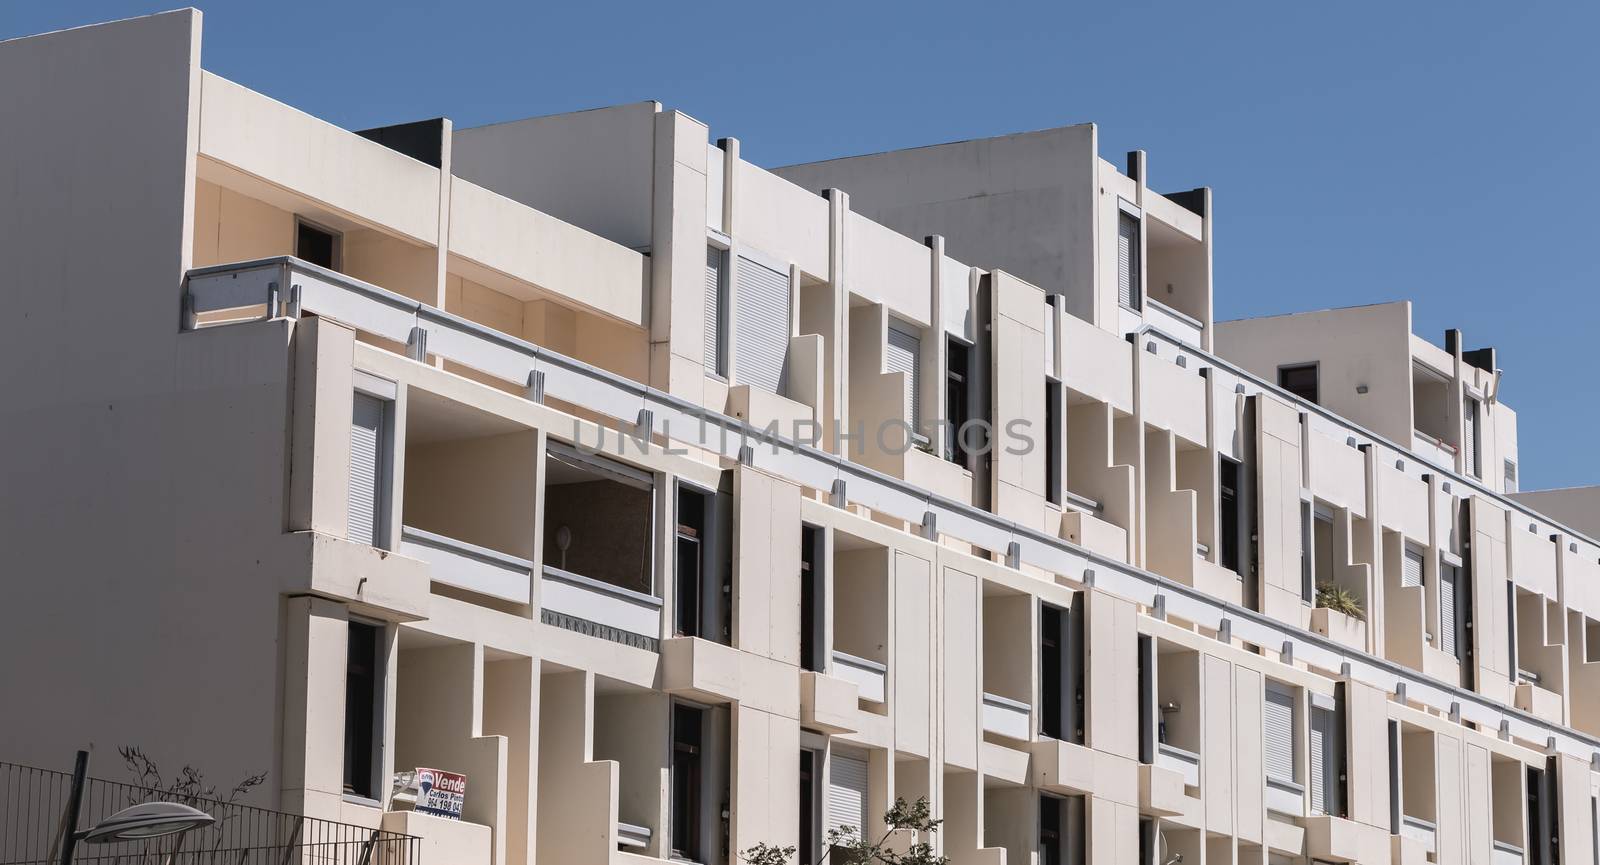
(137, 823)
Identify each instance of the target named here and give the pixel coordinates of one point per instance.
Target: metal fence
(33, 826)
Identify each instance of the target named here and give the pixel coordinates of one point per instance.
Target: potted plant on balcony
(849, 846)
(1338, 615)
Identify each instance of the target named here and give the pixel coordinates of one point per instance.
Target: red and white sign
(441, 793)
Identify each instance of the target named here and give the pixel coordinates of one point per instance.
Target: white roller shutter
(847, 794)
(1411, 568)
(1128, 293)
(1469, 437)
(1450, 626)
(366, 469)
(716, 359)
(761, 318)
(1322, 738)
(1277, 746)
(905, 355)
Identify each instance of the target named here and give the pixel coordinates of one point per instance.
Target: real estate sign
(441, 793)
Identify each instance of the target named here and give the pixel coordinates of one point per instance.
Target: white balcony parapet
(1286, 797)
(1185, 763)
(1182, 327)
(1420, 830)
(378, 312)
(1432, 449)
(632, 837)
(598, 603)
(467, 566)
(1506, 854)
(870, 677)
(1004, 716)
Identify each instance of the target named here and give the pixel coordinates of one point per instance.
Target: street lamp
(137, 823)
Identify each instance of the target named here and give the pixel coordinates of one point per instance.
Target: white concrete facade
(281, 387)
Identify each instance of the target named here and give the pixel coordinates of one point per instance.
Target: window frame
(336, 256)
(1315, 366)
(379, 634)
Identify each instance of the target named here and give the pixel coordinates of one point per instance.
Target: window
(847, 793)
(1300, 380)
(1130, 290)
(1327, 756)
(1411, 568)
(761, 324)
(1061, 672)
(812, 616)
(363, 712)
(688, 723)
(1053, 434)
(316, 245)
(1228, 513)
(957, 408)
(1542, 823)
(367, 515)
(598, 518)
(702, 587)
(1278, 723)
(1511, 476)
(904, 354)
(1470, 461)
(1147, 699)
(1050, 831)
(810, 770)
(1307, 552)
(716, 311)
(1451, 611)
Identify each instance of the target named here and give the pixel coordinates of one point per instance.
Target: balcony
(1506, 854)
(1422, 831)
(599, 603)
(1183, 328)
(1006, 717)
(1286, 797)
(1433, 449)
(469, 567)
(870, 677)
(1185, 763)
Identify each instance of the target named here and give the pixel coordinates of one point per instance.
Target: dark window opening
(1300, 380)
(811, 598)
(1061, 673)
(1050, 829)
(807, 854)
(316, 245)
(1228, 514)
(958, 409)
(691, 553)
(361, 714)
(1052, 441)
(598, 519)
(687, 733)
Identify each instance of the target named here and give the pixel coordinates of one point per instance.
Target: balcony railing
(610, 608)
(1506, 854)
(473, 568)
(1004, 716)
(1185, 328)
(1286, 797)
(870, 677)
(1432, 449)
(1185, 763)
(632, 837)
(1420, 830)
(373, 310)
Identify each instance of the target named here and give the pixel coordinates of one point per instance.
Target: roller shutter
(1128, 265)
(1277, 745)
(366, 469)
(761, 317)
(905, 355)
(716, 307)
(1411, 568)
(847, 794)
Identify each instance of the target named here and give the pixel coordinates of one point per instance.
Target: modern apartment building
(516, 452)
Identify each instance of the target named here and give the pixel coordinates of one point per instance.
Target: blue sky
(1359, 152)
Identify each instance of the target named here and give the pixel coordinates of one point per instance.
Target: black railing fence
(34, 806)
